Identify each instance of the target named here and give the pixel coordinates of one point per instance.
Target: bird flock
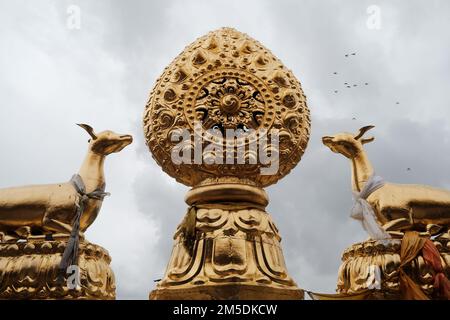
(354, 85)
(347, 84)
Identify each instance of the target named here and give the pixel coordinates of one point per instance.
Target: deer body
(48, 209)
(420, 205)
(397, 206)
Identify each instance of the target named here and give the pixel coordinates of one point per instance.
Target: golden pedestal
(29, 270)
(359, 260)
(235, 252)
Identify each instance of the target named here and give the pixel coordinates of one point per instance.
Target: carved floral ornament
(29, 270)
(226, 81)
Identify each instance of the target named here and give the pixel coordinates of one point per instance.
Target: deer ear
(364, 141)
(362, 131)
(88, 129)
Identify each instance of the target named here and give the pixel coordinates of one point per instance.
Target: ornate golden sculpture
(227, 245)
(226, 80)
(361, 258)
(29, 270)
(397, 207)
(44, 216)
(401, 212)
(49, 209)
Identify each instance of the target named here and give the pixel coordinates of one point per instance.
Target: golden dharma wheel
(226, 81)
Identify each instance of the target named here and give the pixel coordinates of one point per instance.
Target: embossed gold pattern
(29, 270)
(398, 207)
(37, 221)
(223, 244)
(236, 243)
(226, 80)
(358, 259)
(227, 246)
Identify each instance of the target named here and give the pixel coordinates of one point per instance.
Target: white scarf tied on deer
(363, 211)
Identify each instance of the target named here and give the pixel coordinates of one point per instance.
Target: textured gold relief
(358, 259)
(29, 270)
(232, 246)
(397, 207)
(236, 249)
(226, 80)
(405, 219)
(42, 231)
(227, 246)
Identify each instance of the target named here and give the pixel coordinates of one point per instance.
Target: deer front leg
(396, 218)
(55, 226)
(23, 232)
(397, 225)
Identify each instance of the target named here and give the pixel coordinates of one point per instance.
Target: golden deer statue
(397, 207)
(50, 210)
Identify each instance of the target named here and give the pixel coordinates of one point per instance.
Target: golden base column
(29, 270)
(234, 252)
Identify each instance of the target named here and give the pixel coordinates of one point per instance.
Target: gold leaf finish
(397, 207)
(29, 270)
(227, 246)
(233, 249)
(36, 223)
(226, 79)
(228, 254)
(358, 259)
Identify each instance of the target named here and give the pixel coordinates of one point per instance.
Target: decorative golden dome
(226, 80)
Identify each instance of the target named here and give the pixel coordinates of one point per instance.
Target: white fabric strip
(363, 211)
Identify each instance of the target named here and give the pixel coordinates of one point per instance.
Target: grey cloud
(53, 77)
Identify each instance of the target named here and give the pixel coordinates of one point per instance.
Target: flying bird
(366, 83)
(335, 72)
(355, 85)
(346, 55)
(335, 91)
(354, 54)
(353, 118)
(409, 169)
(397, 102)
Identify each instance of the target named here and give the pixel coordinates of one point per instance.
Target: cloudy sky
(53, 76)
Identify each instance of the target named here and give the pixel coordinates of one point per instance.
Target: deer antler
(362, 131)
(89, 129)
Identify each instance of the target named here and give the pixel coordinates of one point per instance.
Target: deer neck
(91, 171)
(362, 170)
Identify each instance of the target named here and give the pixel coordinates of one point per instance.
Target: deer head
(106, 142)
(348, 144)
